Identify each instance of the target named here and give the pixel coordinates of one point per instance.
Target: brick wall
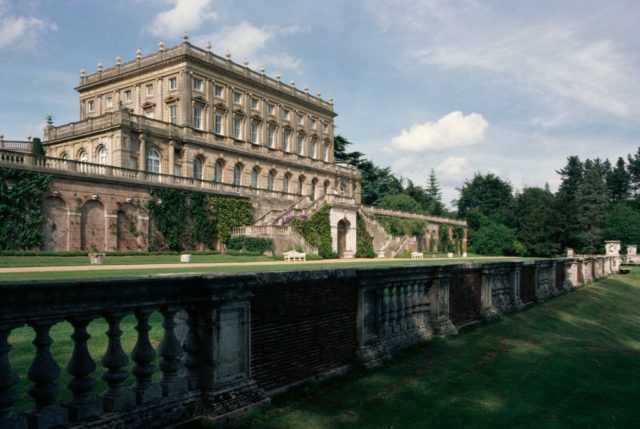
(464, 295)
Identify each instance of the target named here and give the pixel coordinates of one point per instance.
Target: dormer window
(197, 84)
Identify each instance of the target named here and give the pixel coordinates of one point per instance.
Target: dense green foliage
(364, 241)
(21, 208)
(184, 220)
(399, 226)
(250, 244)
(316, 230)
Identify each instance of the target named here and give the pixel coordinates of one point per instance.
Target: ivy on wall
(182, 220)
(446, 245)
(364, 241)
(21, 208)
(398, 226)
(458, 236)
(316, 230)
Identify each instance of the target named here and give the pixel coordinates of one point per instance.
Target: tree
(592, 207)
(566, 223)
(618, 182)
(534, 219)
(634, 171)
(488, 194)
(434, 193)
(340, 145)
(402, 202)
(377, 182)
(495, 239)
(623, 223)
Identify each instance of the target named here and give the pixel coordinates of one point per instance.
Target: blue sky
(503, 86)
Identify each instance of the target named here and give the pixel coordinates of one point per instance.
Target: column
(489, 310)
(439, 300)
(142, 153)
(172, 157)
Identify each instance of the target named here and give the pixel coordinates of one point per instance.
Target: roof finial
(100, 66)
(246, 62)
(138, 53)
(292, 83)
(228, 55)
(185, 37)
(209, 46)
(161, 45)
(118, 60)
(261, 69)
(83, 73)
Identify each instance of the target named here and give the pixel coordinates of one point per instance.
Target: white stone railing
(371, 210)
(16, 145)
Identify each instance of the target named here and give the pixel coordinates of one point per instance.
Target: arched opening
(325, 187)
(237, 174)
(343, 229)
(271, 177)
(312, 192)
(153, 161)
(285, 183)
(301, 180)
(217, 172)
(92, 222)
(255, 174)
(197, 168)
(54, 224)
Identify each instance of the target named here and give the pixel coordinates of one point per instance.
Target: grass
(245, 264)
(572, 362)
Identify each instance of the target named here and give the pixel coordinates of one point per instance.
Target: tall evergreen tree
(434, 192)
(592, 208)
(490, 196)
(618, 180)
(535, 217)
(634, 172)
(567, 203)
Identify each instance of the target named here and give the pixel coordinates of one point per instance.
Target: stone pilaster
(439, 300)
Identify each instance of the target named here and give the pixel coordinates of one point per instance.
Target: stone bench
(417, 255)
(293, 256)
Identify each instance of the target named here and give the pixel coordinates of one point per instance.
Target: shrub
(249, 244)
(316, 231)
(364, 243)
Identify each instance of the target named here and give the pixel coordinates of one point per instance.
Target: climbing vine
(227, 213)
(21, 208)
(446, 245)
(364, 241)
(398, 226)
(316, 230)
(458, 236)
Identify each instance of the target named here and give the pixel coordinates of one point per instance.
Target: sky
(458, 86)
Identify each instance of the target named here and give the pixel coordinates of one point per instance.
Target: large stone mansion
(185, 117)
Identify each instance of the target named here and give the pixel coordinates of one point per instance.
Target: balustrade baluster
(117, 397)
(393, 310)
(192, 349)
(143, 355)
(386, 312)
(83, 405)
(8, 378)
(44, 372)
(170, 351)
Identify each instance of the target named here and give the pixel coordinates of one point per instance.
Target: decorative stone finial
(261, 69)
(161, 45)
(318, 94)
(209, 46)
(138, 53)
(306, 89)
(228, 54)
(82, 73)
(292, 83)
(246, 62)
(100, 66)
(118, 60)
(185, 37)
(330, 100)
(278, 77)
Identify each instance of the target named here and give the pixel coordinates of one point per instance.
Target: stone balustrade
(230, 342)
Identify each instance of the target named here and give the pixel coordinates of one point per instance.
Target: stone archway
(92, 226)
(343, 231)
(55, 224)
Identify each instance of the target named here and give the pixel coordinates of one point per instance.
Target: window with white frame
(218, 121)
(285, 114)
(271, 108)
(173, 84)
(300, 119)
(271, 136)
(217, 172)
(218, 90)
(149, 89)
(300, 144)
(285, 183)
(197, 168)
(255, 131)
(237, 127)
(237, 97)
(255, 172)
(91, 105)
(127, 95)
(83, 156)
(254, 103)
(102, 156)
(197, 117)
(109, 102)
(270, 180)
(197, 84)
(173, 114)
(237, 174)
(153, 161)
(286, 136)
(312, 148)
(325, 152)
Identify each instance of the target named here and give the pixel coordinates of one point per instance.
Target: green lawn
(572, 362)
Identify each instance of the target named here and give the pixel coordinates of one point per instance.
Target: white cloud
(23, 31)
(453, 169)
(246, 40)
(451, 131)
(185, 15)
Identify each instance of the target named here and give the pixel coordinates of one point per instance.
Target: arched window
(217, 172)
(83, 156)
(153, 161)
(254, 177)
(102, 155)
(312, 192)
(237, 173)
(197, 168)
(300, 144)
(286, 136)
(285, 183)
(312, 148)
(300, 184)
(325, 152)
(271, 177)
(325, 187)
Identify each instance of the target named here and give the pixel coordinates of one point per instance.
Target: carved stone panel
(231, 343)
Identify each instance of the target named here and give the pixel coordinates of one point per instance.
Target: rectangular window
(219, 90)
(149, 90)
(271, 109)
(173, 114)
(217, 123)
(91, 105)
(325, 152)
(237, 97)
(313, 124)
(312, 148)
(325, 128)
(300, 144)
(271, 131)
(127, 95)
(286, 135)
(109, 102)
(285, 114)
(255, 129)
(254, 103)
(300, 119)
(197, 117)
(237, 127)
(173, 83)
(197, 84)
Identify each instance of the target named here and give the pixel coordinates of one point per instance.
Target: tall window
(197, 84)
(83, 156)
(109, 102)
(286, 136)
(271, 136)
(255, 129)
(197, 117)
(325, 152)
(197, 168)
(91, 105)
(300, 144)
(237, 127)
(217, 172)
(325, 187)
(254, 177)
(271, 108)
(254, 103)
(217, 123)
(312, 148)
(153, 161)
(173, 83)
(127, 95)
(173, 114)
(270, 179)
(102, 156)
(300, 119)
(300, 184)
(285, 114)
(218, 90)
(285, 183)
(312, 193)
(149, 90)
(237, 173)
(237, 97)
